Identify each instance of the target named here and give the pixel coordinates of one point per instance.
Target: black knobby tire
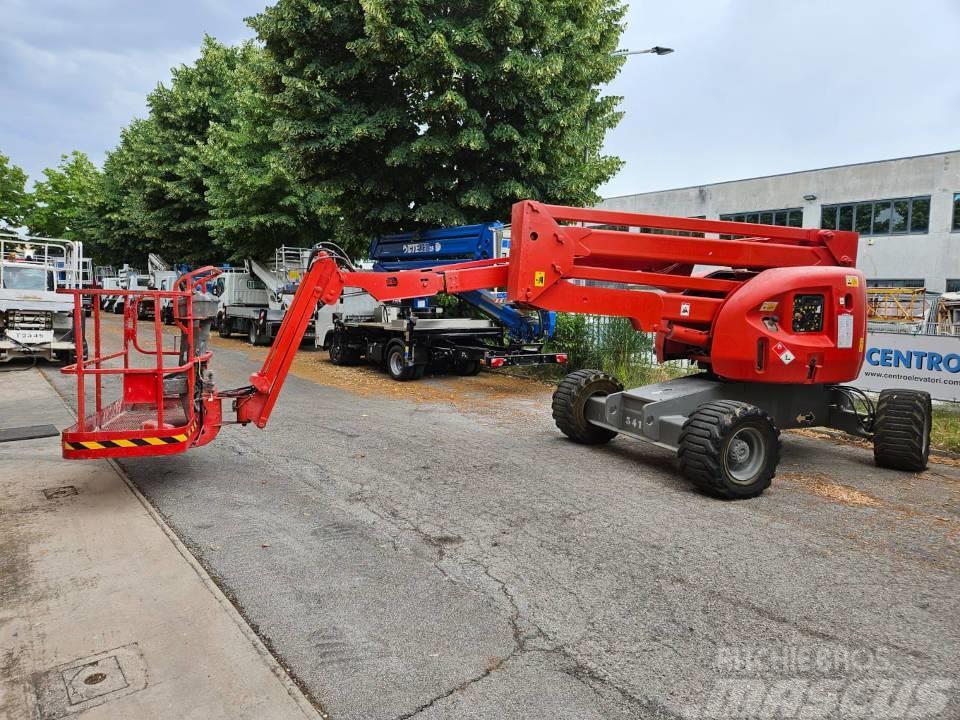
(396, 367)
(468, 366)
(224, 327)
(729, 449)
(901, 430)
(570, 400)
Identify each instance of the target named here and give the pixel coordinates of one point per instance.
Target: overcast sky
(755, 86)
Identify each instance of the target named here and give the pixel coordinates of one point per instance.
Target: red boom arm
(732, 321)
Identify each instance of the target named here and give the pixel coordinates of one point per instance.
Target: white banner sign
(912, 362)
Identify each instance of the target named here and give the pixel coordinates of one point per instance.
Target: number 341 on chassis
(777, 330)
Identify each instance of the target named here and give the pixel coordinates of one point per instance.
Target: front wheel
(570, 402)
(224, 326)
(729, 449)
(397, 367)
(901, 430)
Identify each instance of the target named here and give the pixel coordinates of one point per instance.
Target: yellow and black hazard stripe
(131, 442)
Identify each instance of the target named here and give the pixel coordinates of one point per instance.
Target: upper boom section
(546, 247)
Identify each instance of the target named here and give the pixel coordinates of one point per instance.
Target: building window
(785, 217)
(896, 282)
(898, 216)
(953, 285)
(956, 213)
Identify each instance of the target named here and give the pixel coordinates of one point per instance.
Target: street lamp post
(623, 52)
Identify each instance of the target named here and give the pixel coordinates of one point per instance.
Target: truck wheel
(729, 449)
(901, 430)
(168, 315)
(224, 327)
(570, 400)
(255, 336)
(396, 367)
(468, 366)
(340, 352)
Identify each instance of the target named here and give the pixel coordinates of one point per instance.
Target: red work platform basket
(161, 407)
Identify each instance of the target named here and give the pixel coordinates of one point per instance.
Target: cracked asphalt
(456, 560)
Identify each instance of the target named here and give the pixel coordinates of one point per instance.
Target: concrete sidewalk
(103, 612)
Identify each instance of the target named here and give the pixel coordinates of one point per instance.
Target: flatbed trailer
(407, 347)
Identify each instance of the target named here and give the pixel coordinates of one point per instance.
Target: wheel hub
(739, 451)
(745, 456)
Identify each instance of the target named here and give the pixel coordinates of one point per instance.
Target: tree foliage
(347, 120)
(14, 200)
(415, 113)
(62, 204)
(254, 205)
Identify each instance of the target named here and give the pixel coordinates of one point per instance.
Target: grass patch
(945, 432)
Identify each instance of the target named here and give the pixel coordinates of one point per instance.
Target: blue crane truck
(408, 338)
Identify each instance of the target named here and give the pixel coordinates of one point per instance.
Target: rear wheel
(256, 336)
(570, 401)
(901, 430)
(729, 449)
(340, 352)
(468, 366)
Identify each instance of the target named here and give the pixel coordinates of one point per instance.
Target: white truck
(35, 320)
(162, 277)
(254, 299)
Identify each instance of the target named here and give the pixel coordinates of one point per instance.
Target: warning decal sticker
(783, 352)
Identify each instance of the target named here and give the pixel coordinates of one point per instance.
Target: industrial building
(906, 210)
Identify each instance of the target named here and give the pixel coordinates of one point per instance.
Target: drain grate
(27, 432)
(59, 492)
(85, 683)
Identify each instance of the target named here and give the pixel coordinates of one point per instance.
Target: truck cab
(35, 320)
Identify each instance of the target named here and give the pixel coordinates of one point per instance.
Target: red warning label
(783, 352)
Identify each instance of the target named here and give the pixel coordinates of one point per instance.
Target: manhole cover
(59, 492)
(88, 682)
(93, 679)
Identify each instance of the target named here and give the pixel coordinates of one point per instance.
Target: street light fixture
(623, 52)
(655, 50)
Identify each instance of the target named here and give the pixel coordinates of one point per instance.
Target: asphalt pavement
(436, 559)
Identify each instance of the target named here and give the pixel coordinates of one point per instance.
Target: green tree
(413, 113)
(154, 189)
(14, 200)
(254, 206)
(63, 203)
(131, 222)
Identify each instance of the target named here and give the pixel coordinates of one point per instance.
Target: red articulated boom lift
(775, 332)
